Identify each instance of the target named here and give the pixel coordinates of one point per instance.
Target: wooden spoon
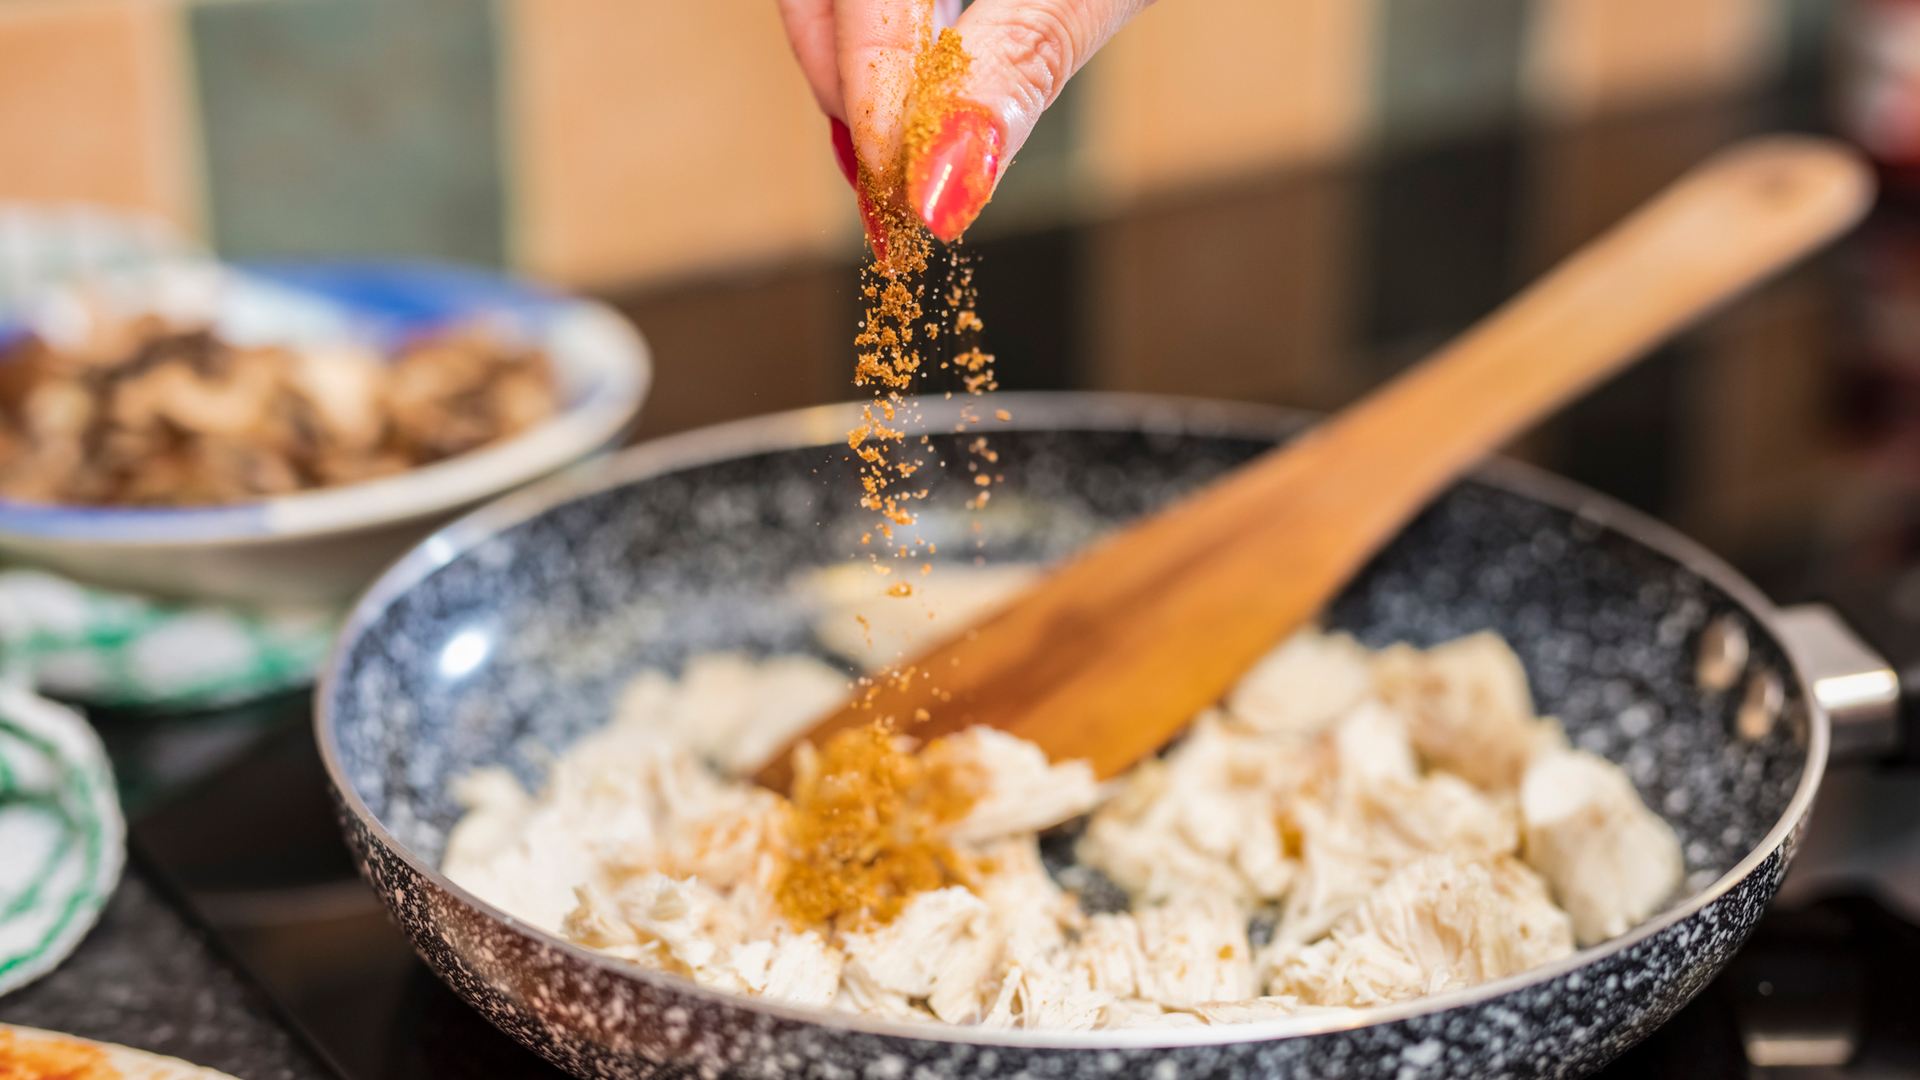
(1113, 653)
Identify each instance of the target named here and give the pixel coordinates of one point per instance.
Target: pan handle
(1857, 687)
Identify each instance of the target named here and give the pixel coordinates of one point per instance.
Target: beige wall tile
(653, 140)
(93, 106)
(1589, 56)
(1198, 89)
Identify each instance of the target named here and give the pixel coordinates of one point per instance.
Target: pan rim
(826, 425)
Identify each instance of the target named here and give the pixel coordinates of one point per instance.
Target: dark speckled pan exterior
(686, 545)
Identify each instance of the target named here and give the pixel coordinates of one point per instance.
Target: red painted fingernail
(874, 224)
(952, 179)
(843, 152)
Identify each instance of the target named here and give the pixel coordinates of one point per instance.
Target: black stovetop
(243, 940)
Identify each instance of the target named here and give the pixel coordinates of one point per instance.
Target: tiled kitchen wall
(604, 143)
(95, 106)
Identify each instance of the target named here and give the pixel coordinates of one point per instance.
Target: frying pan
(508, 635)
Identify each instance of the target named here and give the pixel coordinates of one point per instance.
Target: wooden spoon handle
(1732, 221)
(1112, 654)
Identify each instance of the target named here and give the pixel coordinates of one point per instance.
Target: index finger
(878, 40)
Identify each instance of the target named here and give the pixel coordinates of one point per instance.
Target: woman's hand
(859, 55)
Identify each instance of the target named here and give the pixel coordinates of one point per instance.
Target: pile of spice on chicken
(147, 412)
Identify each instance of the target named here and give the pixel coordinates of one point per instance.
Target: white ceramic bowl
(323, 546)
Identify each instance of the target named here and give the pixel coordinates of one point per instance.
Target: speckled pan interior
(560, 595)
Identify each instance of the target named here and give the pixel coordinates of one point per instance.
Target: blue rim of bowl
(1079, 411)
(393, 301)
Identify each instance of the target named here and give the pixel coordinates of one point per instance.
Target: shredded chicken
(1469, 706)
(1401, 821)
(1203, 821)
(1611, 860)
(1436, 924)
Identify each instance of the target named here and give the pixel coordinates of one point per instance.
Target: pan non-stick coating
(690, 545)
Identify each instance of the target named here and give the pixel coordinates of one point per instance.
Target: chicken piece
(87, 333)
(333, 466)
(1019, 790)
(1339, 866)
(793, 966)
(730, 708)
(1203, 820)
(343, 385)
(1544, 933)
(496, 811)
(231, 470)
(1123, 1013)
(943, 946)
(860, 620)
(1437, 924)
(673, 925)
(1610, 860)
(686, 928)
(12, 443)
(620, 802)
(1370, 812)
(1028, 907)
(57, 410)
(47, 471)
(1196, 951)
(860, 994)
(725, 844)
(524, 395)
(517, 861)
(234, 406)
(1036, 992)
(1246, 1012)
(597, 922)
(1178, 954)
(1373, 751)
(463, 389)
(1445, 813)
(1469, 706)
(1304, 685)
(24, 360)
(800, 968)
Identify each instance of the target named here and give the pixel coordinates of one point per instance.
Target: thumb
(1004, 62)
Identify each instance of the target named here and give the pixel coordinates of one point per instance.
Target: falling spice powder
(898, 340)
(862, 830)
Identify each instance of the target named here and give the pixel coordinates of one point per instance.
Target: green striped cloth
(62, 840)
(106, 648)
(62, 837)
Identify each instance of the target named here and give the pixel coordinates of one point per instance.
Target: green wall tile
(1041, 189)
(1807, 29)
(1447, 67)
(351, 127)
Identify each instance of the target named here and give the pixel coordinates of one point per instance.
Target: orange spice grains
(52, 1059)
(937, 71)
(863, 828)
(894, 344)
